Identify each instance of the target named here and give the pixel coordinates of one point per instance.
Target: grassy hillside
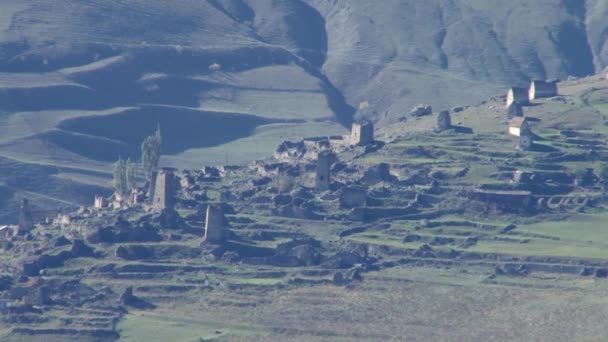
(82, 82)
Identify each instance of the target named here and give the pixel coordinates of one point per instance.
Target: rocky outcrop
(421, 110)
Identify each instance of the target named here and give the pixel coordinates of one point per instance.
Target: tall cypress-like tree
(120, 179)
(130, 174)
(150, 153)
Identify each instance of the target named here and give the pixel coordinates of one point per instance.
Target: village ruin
(324, 211)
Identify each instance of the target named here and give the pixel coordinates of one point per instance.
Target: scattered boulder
(378, 173)
(421, 110)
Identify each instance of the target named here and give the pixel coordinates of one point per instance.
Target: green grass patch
(140, 326)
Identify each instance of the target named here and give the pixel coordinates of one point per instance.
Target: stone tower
(25, 216)
(163, 190)
(443, 120)
(362, 133)
(323, 176)
(214, 224)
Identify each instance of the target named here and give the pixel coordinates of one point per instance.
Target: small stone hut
(362, 133)
(444, 121)
(518, 125)
(540, 89)
(517, 94)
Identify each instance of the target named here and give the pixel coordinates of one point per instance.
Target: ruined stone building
(504, 201)
(362, 133)
(515, 109)
(214, 224)
(163, 190)
(540, 89)
(444, 121)
(516, 94)
(324, 161)
(353, 196)
(100, 202)
(518, 125)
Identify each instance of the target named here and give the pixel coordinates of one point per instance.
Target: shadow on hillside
(462, 130)
(109, 136)
(536, 147)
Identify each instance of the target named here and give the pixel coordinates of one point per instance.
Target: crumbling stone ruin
(214, 224)
(290, 150)
(518, 125)
(514, 109)
(164, 190)
(100, 202)
(421, 110)
(353, 196)
(362, 133)
(516, 94)
(504, 201)
(444, 122)
(323, 175)
(541, 89)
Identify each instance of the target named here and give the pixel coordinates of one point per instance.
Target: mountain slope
(279, 70)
